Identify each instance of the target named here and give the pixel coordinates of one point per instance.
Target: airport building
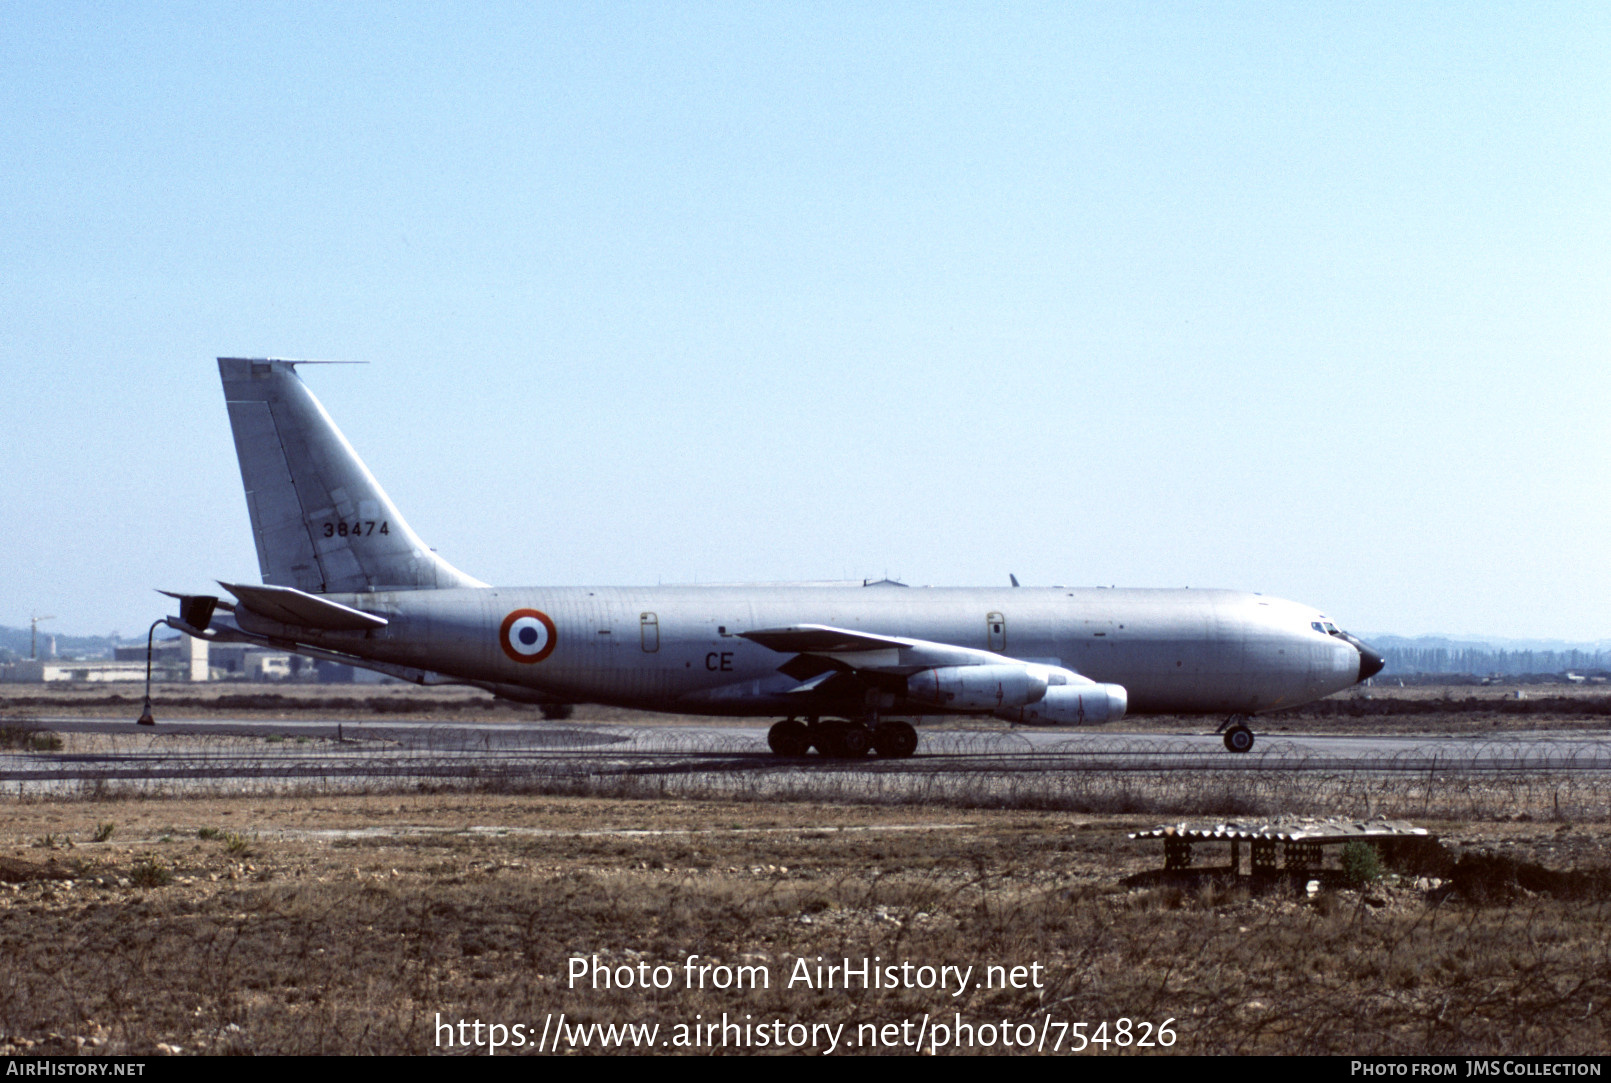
(92, 670)
(186, 659)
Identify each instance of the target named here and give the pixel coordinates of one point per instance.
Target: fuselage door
(995, 632)
(649, 632)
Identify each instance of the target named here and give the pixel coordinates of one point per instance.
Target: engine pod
(978, 688)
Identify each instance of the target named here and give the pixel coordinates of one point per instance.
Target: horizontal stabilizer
(291, 606)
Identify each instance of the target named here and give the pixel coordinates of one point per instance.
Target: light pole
(33, 635)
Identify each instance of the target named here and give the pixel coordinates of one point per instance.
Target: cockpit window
(1332, 629)
(1316, 626)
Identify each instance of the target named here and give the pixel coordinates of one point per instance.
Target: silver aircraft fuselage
(678, 648)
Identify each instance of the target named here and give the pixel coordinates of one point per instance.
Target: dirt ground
(450, 922)
(363, 924)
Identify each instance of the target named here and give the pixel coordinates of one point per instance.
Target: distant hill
(1482, 657)
(14, 641)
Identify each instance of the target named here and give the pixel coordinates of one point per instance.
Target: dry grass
(349, 923)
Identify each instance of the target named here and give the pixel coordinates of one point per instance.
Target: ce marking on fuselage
(719, 660)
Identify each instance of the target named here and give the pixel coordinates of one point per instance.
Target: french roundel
(527, 636)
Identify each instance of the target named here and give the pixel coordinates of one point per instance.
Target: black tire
(896, 740)
(1239, 739)
(789, 738)
(824, 737)
(855, 741)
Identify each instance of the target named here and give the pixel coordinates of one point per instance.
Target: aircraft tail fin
(321, 521)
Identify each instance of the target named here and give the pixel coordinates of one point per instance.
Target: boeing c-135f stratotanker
(846, 666)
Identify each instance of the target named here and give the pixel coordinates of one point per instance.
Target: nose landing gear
(1238, 738)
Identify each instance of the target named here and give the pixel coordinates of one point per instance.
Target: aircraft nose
(1370, 662)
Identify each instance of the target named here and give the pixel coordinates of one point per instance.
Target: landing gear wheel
(824, 737)
(1238, 738)
(789, 738)
(855, 740)
(896, 740)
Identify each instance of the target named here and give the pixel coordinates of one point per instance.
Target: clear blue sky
(1308, 299)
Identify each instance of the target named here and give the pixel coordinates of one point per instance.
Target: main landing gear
(841, 739)
(1238, 738)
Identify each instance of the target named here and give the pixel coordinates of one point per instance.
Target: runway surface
(224, 749)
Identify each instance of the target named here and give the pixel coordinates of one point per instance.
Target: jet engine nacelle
(978, 688)
(1082, 704)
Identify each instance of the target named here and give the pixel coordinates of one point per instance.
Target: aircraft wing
(846, 649)
(940, 676)
(925, 675)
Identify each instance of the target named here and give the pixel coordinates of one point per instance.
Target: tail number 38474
(360, 528)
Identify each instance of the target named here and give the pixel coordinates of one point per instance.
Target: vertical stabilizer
(321, 521)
